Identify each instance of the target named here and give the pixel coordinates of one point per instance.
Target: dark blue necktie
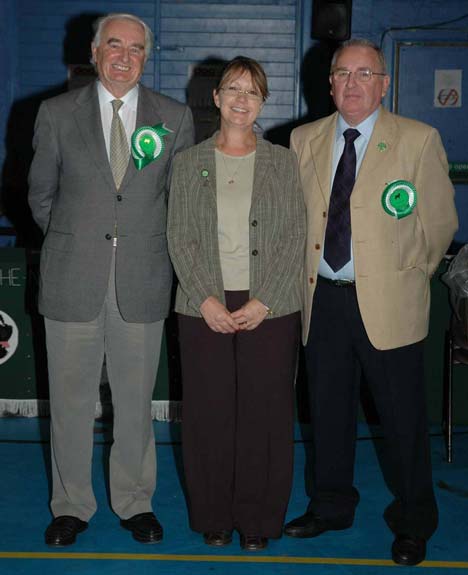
(337, 250)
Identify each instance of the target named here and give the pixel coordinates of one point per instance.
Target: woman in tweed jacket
(236, 236)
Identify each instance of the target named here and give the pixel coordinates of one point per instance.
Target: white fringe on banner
(24, 407)
(160, 410)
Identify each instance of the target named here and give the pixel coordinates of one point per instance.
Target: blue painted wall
(382, 21)
(7, 76)
(39, 38)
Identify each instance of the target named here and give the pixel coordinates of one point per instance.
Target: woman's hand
(217, 316)
(251, 314)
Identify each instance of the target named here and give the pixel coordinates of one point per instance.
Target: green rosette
(148, 144)
(399, 198)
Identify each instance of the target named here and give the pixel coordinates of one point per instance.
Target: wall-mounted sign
(448, 89)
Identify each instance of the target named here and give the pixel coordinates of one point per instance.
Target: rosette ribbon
(148, 144)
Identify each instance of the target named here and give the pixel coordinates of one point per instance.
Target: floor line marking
(223, 559)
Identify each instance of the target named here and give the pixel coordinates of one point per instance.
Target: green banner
(23, 356)
(17, 368)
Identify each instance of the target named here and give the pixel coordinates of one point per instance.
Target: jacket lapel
(379, 151)
(147, 115)
(262, 166)
(89, 125)
(321, 147)
(206, 163)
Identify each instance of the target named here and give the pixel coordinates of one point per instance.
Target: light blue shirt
(360, 144)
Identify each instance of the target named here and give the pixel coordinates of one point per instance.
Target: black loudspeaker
(331, 19)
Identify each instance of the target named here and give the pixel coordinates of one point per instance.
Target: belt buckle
(343, 283)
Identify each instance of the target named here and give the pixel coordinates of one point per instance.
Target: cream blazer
(394, 258)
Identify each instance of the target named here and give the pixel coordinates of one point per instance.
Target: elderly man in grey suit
(105, 273)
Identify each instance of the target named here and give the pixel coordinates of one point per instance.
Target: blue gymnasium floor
(105, 548)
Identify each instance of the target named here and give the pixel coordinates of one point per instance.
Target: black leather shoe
(311, 525)
(253, 542)
(63, 530)
(145, 527)
(408, 550)
(218, 538)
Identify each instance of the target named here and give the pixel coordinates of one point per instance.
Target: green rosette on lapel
(148, 144)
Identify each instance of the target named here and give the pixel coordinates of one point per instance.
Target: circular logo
(399, 198)
(147, 143)
(8, 337)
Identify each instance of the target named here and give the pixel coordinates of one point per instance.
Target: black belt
(338, 283)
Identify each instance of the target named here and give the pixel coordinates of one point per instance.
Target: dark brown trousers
(237, 428)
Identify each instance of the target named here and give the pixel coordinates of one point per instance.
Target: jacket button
(324, 214)
(311, 280)
(254, 252)
(254, 223)
(119, 198)
(108, 237)
(317, 246)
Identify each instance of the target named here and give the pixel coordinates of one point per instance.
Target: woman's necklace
(232, 176)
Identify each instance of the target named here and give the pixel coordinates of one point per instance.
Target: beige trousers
(75, 356)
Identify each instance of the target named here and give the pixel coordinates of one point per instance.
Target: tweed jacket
(74, 200)
(276, 236)
(394, 259)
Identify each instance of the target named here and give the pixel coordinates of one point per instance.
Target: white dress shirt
(127, 112)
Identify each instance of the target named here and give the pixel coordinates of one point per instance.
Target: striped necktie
(119, 153)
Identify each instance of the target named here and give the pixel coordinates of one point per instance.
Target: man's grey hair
(100, 23)
(360, 43)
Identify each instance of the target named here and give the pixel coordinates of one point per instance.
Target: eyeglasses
(233, 92)
(342, 75)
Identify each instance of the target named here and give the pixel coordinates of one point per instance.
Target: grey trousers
(75, 353)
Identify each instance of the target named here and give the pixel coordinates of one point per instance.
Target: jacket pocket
(411, 242)
(158, 243)
(59, 241)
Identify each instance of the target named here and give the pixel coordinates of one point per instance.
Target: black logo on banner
(8, 337)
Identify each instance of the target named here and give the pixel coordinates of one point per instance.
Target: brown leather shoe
(253, 542)
(218, 538)
(63, 530)
(145, 527)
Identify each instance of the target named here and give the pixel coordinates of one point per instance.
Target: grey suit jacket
(74, 200)
(277, 230)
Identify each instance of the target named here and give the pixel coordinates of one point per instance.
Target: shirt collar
(130, 99)
(366, 127)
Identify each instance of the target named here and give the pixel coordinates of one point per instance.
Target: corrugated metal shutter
(192, 32)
